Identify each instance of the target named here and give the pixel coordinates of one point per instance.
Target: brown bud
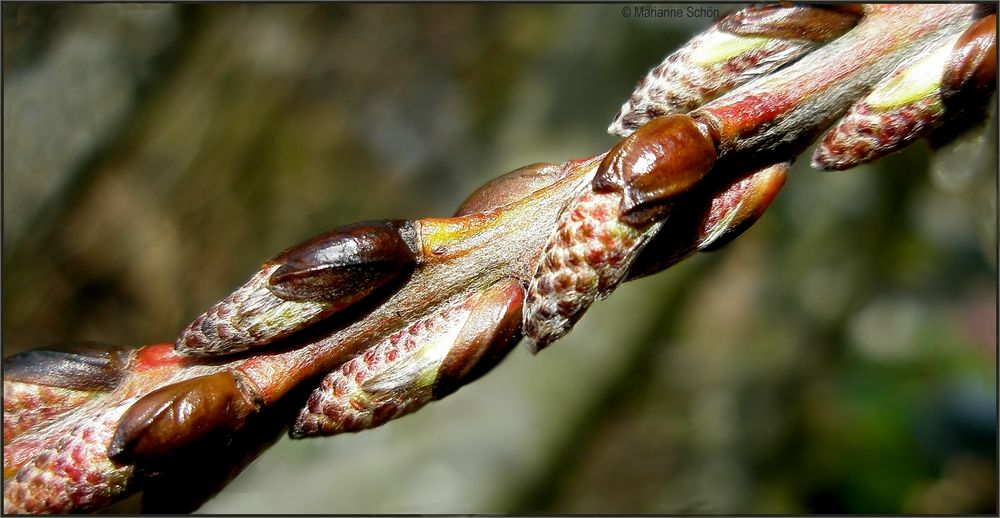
(971, 71)
(491, 331)
(800, 22)
(348, 262)
(739, 207)
(85, 366)
(851, 9)
(178, 415)
(710, 219)
(510, 187)
(660, 160)
(303, 285)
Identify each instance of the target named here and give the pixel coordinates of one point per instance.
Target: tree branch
(371, 321)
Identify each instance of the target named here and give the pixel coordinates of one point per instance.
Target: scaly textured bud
(422, 362)
(66, 469)
(180, 414)
(304, 284)
(742, 46)
(510, 187)
(662, 159)
(42, 384)
(910, 103)
(27, 406)
(587, 256)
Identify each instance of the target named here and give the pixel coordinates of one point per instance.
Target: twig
(377, 319)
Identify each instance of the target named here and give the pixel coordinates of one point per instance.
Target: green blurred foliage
(838, 358)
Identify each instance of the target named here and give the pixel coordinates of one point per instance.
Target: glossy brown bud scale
(178, 415)
(509, 188)
(797, 22)
(73, 365)
(490, 332)
(971, 70)
(347, 262)
(711, 218)
(665, 157)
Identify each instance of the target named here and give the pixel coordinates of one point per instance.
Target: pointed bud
(179, 415)
(425, 361)
(43, 384)
(304, 284)
(586, 257)
(492, 330)
(71, 365)
(742, 46)
(710, 218)
(797, 22)
(345, 264)
(915, 99)
(739, 206)
(660, 160)
(510, 187)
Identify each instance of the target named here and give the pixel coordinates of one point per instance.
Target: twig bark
(377, 319)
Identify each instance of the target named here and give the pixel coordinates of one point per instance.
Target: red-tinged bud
(971, 72)
(43, 384)
(66, 469)
(422, 362)
(800, 22)
(510, 187)
(779, 115)
(710, 218)
(739, 207)
(720, 59)
(493, 327)
(660, 160)
(304, 284)
(27, 406)
(179, 415)
(902, 108)
(586, 258)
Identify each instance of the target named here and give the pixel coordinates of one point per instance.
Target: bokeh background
(840, 357)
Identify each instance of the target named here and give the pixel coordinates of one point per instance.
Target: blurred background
(840, 357)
